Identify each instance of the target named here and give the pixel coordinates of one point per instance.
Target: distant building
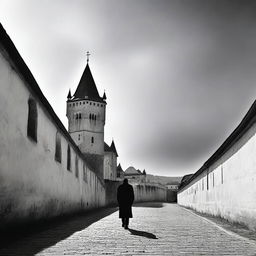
(134, 175)
(86, 120)
(119, 172)
(110, 161)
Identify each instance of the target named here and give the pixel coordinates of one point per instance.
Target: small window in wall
(84, 173)
(222, 178)
(68, 159)
(58, 147)
(76, 167)
(92, 140)
(207, 181)
(32, 120)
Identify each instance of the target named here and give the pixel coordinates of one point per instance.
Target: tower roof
(113, 148)
(119, 168)
(87, 87)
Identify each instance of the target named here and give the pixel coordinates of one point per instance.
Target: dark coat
(125, 198)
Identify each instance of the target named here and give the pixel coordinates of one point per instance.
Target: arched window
(68, 158)
(76, 167)
(92, 139)
(90, 116)
(84, 173)
(32, 120)
(76, 116)
(80, 116)
(58, 147)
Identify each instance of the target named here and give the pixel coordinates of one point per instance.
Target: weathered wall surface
(33, 185)
(147, 192)
(110, 164)
(227, 188)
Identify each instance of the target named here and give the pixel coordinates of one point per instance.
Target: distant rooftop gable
(86, 88)
(113, 148)
(119, 168)
(132, 171)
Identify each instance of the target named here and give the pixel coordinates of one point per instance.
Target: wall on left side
(33, 184)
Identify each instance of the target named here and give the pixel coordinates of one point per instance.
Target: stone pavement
(156, 229)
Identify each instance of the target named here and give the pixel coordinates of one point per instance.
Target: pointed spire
(119, 168)
(113, 148)
(87, 87)
(69, 95)
(104, 96)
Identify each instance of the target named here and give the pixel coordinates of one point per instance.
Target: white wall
(32, 184)
(232, 184)
(110, 163)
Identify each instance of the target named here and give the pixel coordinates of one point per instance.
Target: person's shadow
(142, 233)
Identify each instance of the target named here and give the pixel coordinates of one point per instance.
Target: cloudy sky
(179, 75)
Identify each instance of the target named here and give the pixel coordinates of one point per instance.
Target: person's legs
(126, 223)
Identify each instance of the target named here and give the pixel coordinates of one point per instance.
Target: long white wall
(231, 192)
(33, 184)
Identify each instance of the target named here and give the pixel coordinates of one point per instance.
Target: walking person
(125, 198)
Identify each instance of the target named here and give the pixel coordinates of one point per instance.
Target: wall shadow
(33, 239)
(142, 233)
(149, 204)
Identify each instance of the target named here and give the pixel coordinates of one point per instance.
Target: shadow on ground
(149, 205)
(33, 240)
(142, 233)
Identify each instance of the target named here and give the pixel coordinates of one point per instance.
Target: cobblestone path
(156, 229)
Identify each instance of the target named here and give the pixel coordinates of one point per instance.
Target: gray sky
(179, 75)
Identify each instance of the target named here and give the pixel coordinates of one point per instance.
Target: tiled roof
(87, 87)
(113, 148)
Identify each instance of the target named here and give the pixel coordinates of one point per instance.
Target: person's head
(125, 181)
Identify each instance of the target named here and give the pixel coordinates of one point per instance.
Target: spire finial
(88, 54)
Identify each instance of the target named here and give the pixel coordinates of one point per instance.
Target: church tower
(86, 120)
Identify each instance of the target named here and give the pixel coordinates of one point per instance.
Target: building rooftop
(86, 88)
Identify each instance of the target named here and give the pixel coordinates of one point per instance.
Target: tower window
(92, 139)
(77, 103)
(78, 136)
(84, 102)
(98, 104)
(58, 147)
(90, 103)
(68, 159)
(77, 167)
(93, 104)
(80, 103)
(32, 120)
(79, 116)
(73, 104)
(84, 173)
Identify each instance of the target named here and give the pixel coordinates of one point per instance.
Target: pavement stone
(156, 229)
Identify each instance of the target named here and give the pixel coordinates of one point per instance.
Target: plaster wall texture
(33, 185)
(110, 164)
(83, 130)
(147, 192)
(231, 185)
